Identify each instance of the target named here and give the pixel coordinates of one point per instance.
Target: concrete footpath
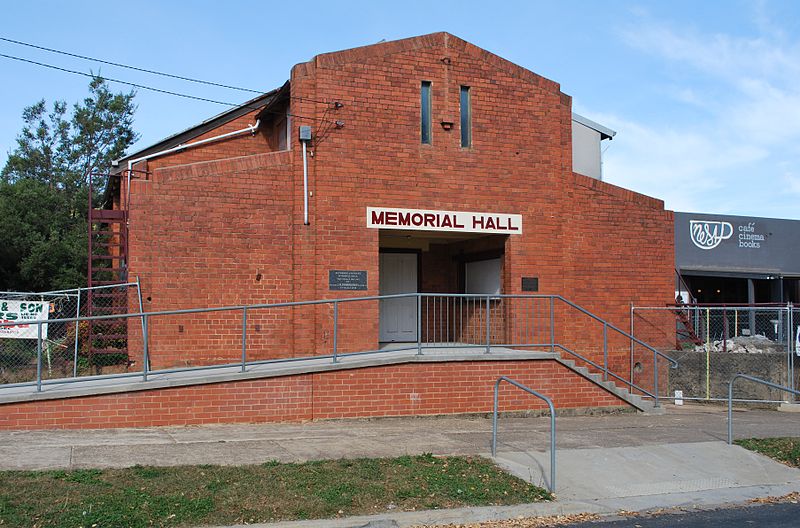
(605, 463)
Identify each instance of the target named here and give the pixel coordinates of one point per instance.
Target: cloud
(733, 155)
(792, 182)
(681, 167)
(719, 54)
(765, 113)
(688, 96)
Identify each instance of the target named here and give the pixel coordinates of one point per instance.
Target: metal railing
(67, 346)
(443, 321)
(754, 380)
(712, 341)
(466, 320)
(633, 342)
(549, 402)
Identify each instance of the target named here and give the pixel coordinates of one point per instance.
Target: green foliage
(222, 495)
(81, 476)
(44, 186)
(786, 450)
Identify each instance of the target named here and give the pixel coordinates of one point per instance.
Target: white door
(398, 317)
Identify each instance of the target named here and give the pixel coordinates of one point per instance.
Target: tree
(44, 186)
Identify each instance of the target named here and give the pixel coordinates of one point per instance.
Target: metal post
(751, 300)
(447, 319)
(146, 348)
(605, 351)
(754, 380)
(655, 379)
(460, 319)
(435, 323)
(488, 327)
(633, 344)
(141, 310)
(419, 324)
(552, 409)
(494, 419)
(708, 353)
(244, 339)
(552, 446)
(77, 336)
(427, 319)
(724, 329)
(139, 294)
(791, 355)
(552, 327)
(730, 411)
(788, 347)
(335, 331)
(39, 357)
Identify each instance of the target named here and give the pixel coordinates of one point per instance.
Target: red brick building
(433, 166)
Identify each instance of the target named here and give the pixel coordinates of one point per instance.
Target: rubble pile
(757, 344)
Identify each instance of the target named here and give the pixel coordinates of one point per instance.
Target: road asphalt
(605, 464)
(762, 516)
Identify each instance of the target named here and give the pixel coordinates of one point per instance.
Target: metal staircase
(684, 329)
(107, 267)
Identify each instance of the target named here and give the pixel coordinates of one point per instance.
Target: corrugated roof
(199, 129)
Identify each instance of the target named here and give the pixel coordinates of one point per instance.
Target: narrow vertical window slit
(425, 112)
(466, 118)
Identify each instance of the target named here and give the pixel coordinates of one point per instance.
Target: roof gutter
(605, 132)
(252, 129)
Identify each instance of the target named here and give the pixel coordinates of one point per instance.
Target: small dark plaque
(530, 284)
(347, 280)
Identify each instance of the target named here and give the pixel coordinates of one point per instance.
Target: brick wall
(223, 224)
(401, 390)
(210, 234)
(592, 242)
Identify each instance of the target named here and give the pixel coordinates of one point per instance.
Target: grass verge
(786, 450)
(196, 495)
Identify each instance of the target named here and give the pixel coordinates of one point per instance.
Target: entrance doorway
(437, 262)
(398, 317)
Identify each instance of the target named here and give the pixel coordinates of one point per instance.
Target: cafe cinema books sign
(455, 221)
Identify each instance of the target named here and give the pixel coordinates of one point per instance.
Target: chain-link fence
(714, 343)
(68, 349)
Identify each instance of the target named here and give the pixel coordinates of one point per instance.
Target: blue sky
(705, 96)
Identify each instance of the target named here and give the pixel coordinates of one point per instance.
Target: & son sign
(17, 311)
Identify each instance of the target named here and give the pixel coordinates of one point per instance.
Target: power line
(145, 70)
(120, 65)
(144, 87)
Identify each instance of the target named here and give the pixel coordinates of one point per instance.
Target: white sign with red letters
(426, 220)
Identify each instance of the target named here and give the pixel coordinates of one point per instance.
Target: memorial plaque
(347, 279)
(530, 284)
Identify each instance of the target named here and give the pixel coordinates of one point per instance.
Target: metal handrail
(754, 380)
(246, 309)
(615, 376)
(549, 402)
(634, 340)
(230, 308)
(671, 307)
(672, 361)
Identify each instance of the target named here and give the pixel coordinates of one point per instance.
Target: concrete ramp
(597, 474)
